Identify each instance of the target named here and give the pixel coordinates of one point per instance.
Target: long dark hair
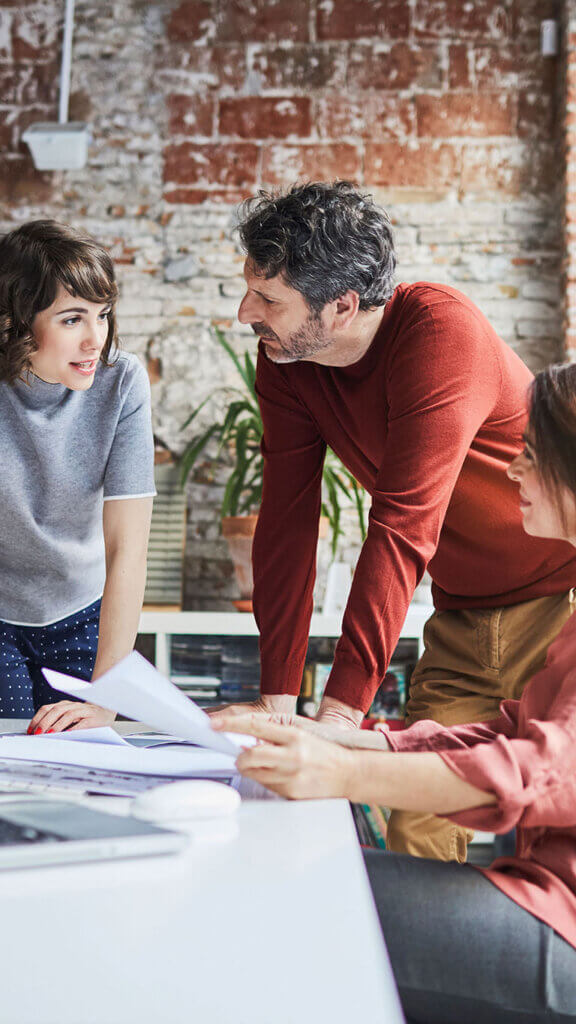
(552, 429)
(34, 260)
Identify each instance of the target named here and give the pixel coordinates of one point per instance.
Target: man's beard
(307, 341)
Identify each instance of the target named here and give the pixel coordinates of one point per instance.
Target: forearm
(410, 782)
(120, 612)
(354, 739)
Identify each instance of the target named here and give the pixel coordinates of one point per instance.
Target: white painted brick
(139, 308)
(535, 328)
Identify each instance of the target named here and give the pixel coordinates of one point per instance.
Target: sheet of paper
(136, 689)
(103, 735)
(182, 762)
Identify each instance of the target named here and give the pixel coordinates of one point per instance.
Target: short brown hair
(34, 260)
(552, 429)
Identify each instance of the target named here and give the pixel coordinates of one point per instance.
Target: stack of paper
(135, 689)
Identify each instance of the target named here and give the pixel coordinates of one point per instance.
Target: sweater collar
(35, 393)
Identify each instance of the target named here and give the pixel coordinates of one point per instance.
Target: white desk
(273, 926)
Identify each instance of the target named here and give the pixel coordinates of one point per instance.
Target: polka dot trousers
(66, 646)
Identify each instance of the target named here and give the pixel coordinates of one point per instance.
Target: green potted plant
(239, 436)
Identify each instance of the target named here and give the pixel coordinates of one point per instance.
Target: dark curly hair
(34, 260)
(552, 430)
(324, 239)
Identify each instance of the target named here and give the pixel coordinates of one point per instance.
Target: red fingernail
(49, 730)
(36, 731)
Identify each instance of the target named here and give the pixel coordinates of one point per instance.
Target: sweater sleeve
(533, 778)
(284, 551)
(431, 736)
(526, 757)
(443, 381)
(130, 467)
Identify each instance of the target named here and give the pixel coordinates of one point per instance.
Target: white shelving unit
(164, 625)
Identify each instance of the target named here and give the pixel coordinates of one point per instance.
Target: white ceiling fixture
(60, 145)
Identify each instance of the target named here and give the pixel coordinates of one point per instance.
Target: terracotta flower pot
(239, 534)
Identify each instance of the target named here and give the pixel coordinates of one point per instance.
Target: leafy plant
(240, 433)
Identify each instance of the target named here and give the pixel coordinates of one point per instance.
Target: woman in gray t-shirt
(77, 474)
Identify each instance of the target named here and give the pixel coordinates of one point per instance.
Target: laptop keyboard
(11, 834)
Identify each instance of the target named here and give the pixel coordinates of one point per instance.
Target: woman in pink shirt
(472, 945)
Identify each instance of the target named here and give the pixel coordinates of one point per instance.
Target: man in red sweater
(426, 406)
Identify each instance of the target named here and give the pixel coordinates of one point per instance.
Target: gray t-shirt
(62, 454)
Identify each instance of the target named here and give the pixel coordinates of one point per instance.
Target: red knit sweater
(427, 421)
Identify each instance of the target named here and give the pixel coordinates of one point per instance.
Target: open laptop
(36, 832)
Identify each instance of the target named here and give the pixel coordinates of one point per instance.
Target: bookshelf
(214, 655)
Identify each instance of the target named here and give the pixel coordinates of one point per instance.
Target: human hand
(335, 712)
(279, 706)
(69, 715)
(290, 761)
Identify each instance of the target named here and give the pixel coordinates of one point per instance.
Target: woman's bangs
(90, 282)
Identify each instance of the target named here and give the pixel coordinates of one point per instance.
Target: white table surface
(272, 923)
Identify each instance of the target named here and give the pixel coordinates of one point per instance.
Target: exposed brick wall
(29, 57)
(444, 108)
(569, 112)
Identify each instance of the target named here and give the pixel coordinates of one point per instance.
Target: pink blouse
(527, 759)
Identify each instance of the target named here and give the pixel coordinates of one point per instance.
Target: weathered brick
(235, 164)
(11, 84)
(299, 68)
(222, 67)
(510, 170)
(191, 115)
(192, 21)
(401, 66)
(508, 67)
(479, 19)
(20, 182)
(527, 16)
(416, 165)
(198, 196)
(34, 37)
(6, 18)
(259, 117)
(356, 19)
(6, 136)
(465, 114)
(571, 180)
(80, 106)
(285, 164)
(459, 76)
(367, 115)
(263, 21)
(537, 116)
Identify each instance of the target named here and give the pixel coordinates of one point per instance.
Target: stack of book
(370, 822)
(197, 667)
(240, 669)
